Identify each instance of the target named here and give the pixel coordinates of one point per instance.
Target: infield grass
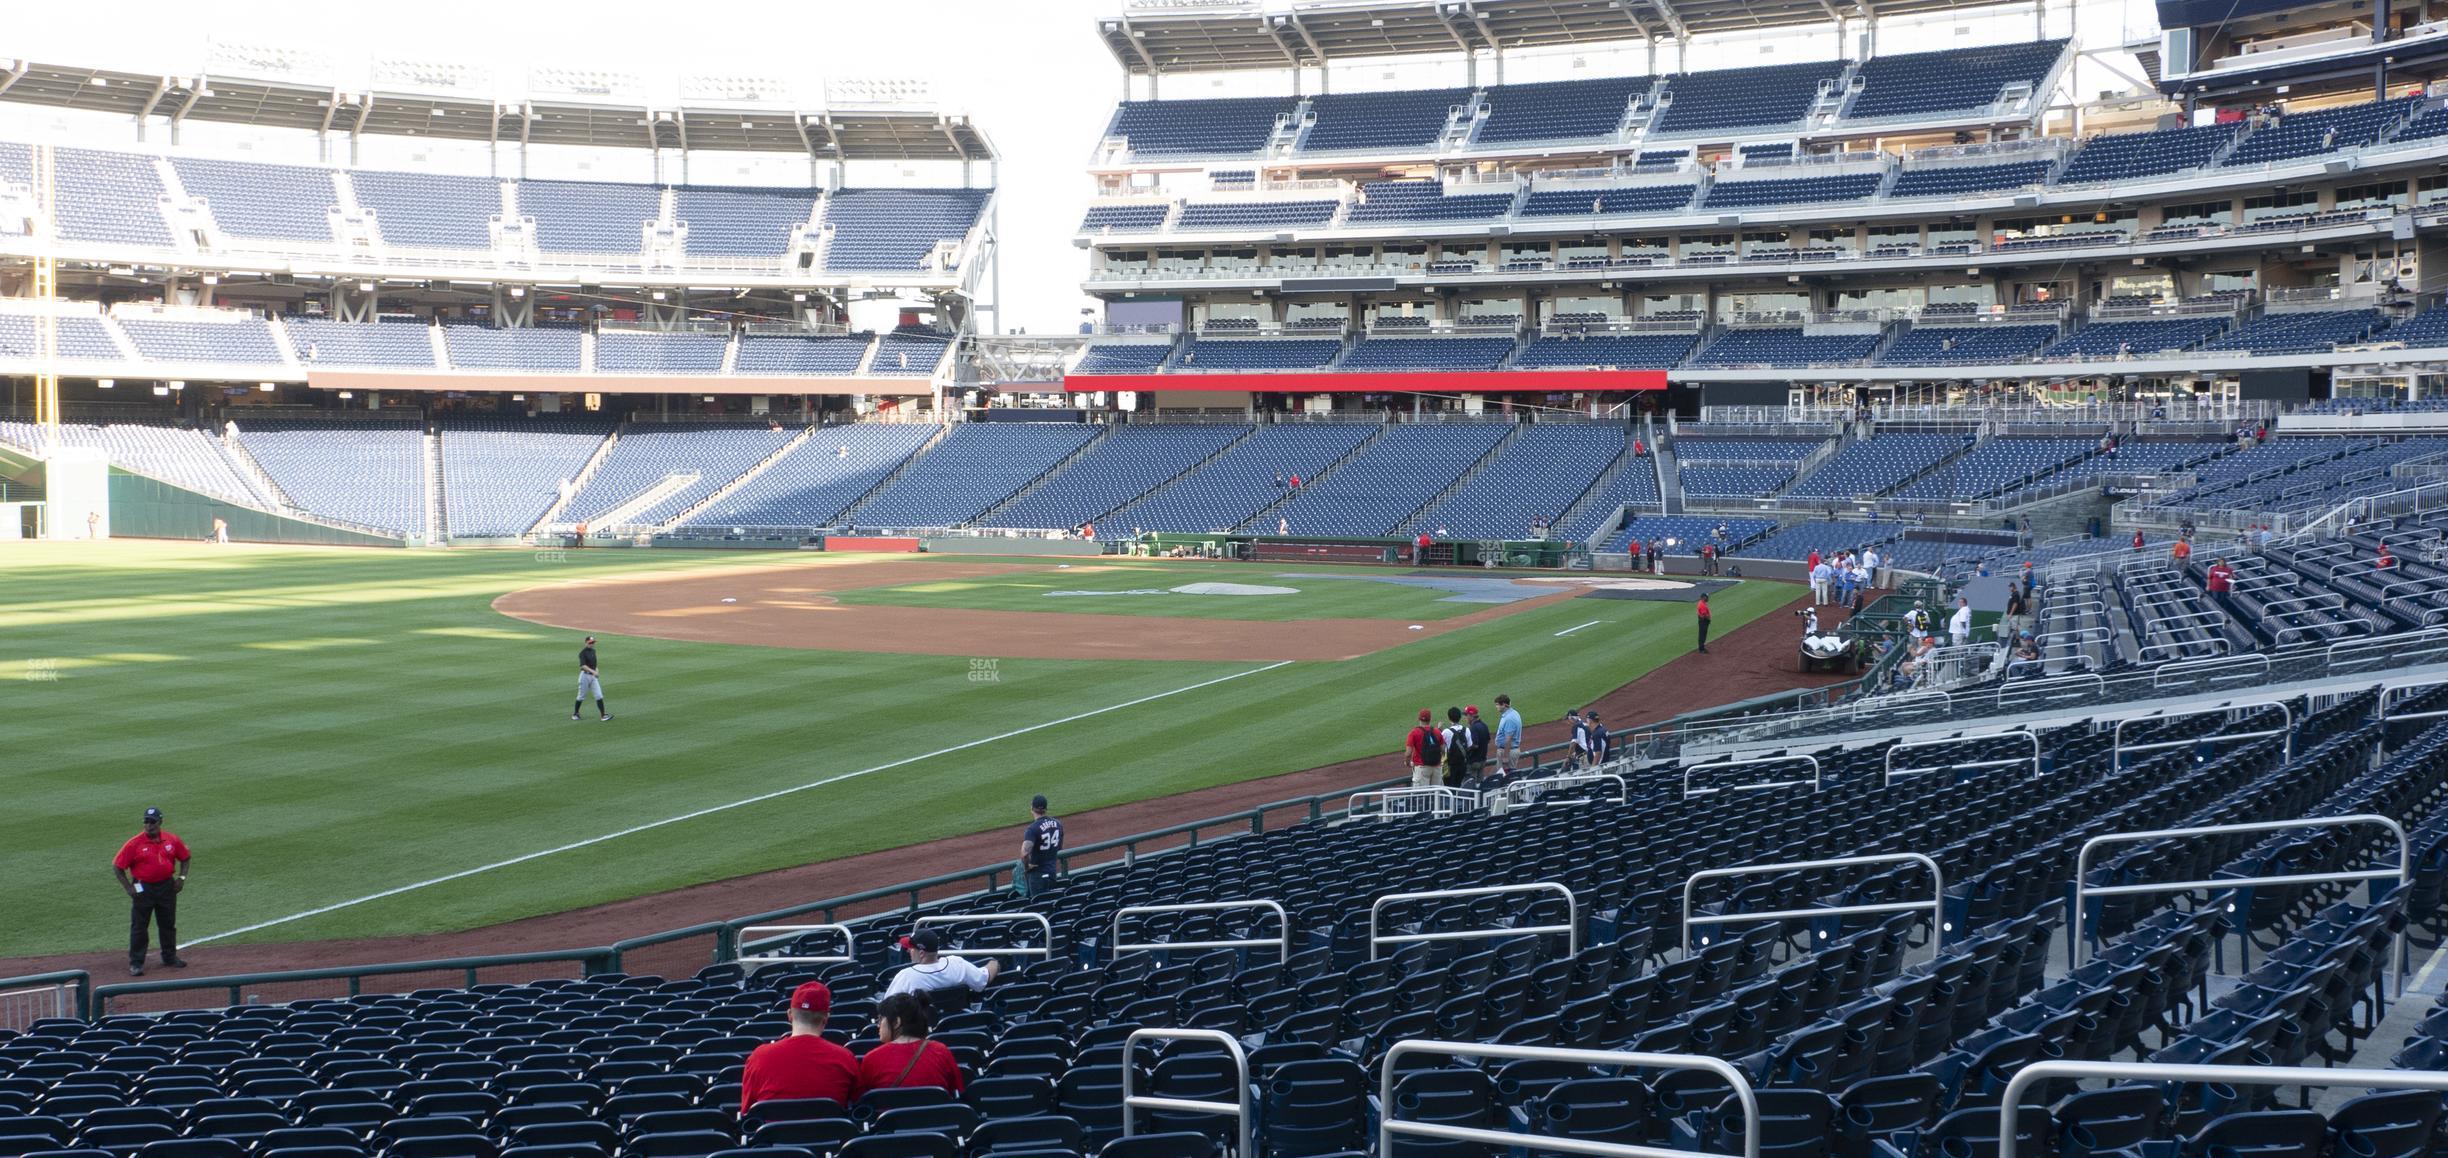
(322, 725)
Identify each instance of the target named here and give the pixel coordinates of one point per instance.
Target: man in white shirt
(930, 970)
(1917, 621)
(1870, 563)
(1959, 626)
(1819, 574)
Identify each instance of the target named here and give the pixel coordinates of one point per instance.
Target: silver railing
(1393, 802)
(1388, 1125)
(1892, 771)
(1523, 793)
(1934, 905)
(2403, 694)
(2403, 874)
(2027, 1077)
(1571, 928)
(2118, 747)
(995, 919)
(20, 1008)
(1283, 923)
(747, 935)
(1812, 762)
(2215, 669)
(1238, 1109)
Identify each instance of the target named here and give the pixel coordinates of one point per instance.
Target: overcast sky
(1031, 73)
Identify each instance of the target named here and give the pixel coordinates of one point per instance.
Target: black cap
(926, 940)
(1037, 802)
(152, 814)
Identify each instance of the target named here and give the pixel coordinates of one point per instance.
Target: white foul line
(1570, 630)
(758, 799)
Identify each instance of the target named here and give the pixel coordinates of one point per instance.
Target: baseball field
(372, 743)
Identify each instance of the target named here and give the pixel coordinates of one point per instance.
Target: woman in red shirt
(906, 1058)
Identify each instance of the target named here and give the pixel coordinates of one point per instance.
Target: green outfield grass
(323, 725)
(1353, 597)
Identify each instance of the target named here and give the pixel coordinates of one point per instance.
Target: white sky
(1031, 73)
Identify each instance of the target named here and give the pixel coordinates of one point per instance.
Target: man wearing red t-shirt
(1704, 617)
(152, 870)
(1424, 763)
(803, 1065)
(2221, 578)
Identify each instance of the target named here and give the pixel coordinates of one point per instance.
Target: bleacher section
(1546, 469)
(1398, 120)
(543, 350)
(1790, 191)
(1564, 110)
(1961, 180)
(1376, 492)
(499, 475)
(187, 458)
(430, 210)
(703, 458)
(1231, 215)
(2302, 134)
(1739, 468)
(1785, 346)
(1941, 345)
(1225, 127)
(1128, 462)
(1632, 486)
(1927, 83)
(1600, 202)
(2138, 338)
(1568, 351)
(79, 337)
(1796, 541)
(802, 353)
(1995, 465)
(589, 216)
(2129, 156)
(810, 487)
(1227, 491)
(2306, 332)
(319, 342)
(1205, 353)
(742, 222)
(256, 200)
(370, 472)
(1134, 218)
(655, 352)
(1427, 354)
(975, 466)
(1742, 98)
(241, 341)
(1874, 465)
(909, 351)
(1383, 201)
(1686, 534)
(896, 229)
(1115, 358)
(109, 197)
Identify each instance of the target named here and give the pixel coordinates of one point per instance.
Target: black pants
(158, 903)
(1041, 882)
(1704, 635)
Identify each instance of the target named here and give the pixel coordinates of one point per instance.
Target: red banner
(1419, 382)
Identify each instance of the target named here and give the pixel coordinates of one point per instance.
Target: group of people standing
(1843, 578)
(1456, 754)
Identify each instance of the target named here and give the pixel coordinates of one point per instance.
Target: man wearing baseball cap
(1040, 850)
(152, 869)
(932, 971)
(804, 1064)
(1421, 749)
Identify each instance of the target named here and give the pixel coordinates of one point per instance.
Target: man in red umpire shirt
(804, 1064)
(152, 869)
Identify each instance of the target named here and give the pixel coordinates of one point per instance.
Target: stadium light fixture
(176, 384)
(265, 387)
(365, 287)
(106, 383)
(212, 279)
(518, 291)
(346, 395)
(658, 295)
(161, 392)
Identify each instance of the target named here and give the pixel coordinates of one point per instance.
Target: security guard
(152, 870)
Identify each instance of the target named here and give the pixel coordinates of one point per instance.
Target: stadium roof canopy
(1172, 36)
(864, 132)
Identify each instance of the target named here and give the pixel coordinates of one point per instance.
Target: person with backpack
(1425, 752)
(1456, 739)
(1578, 755)
(1480, 735)
(1601, 746)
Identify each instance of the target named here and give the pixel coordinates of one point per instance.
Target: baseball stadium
(1226, 579)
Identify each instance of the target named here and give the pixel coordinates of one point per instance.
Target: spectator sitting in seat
(804, 1064)
(930, 971)
(906, 1058)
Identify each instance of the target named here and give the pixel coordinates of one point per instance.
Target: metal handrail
(2084, 890)
(2431, 635)
(1388, 1126)
(2195, 618)
(1523, 793)
(2217, 662)
(77, 980)
(849, 945)
(1934, 904)
(2219, 643)
(1283, 922)
(2334, 601)
(2401, 694)
(1949, 741)
(2349, 626)
(2041, 1071)
(2043, 687)
(991, 919)
(1816, 777)
(1438, 802)
(1238, 1109)
(1571, 928)
(2117, 746)
(1906, 700)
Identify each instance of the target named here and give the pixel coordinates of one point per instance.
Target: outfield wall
(147, 508)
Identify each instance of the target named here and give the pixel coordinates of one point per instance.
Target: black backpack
(1431, 747)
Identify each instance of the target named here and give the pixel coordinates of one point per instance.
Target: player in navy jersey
(1040, 847)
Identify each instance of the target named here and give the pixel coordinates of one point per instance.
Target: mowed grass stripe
(309, 776)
